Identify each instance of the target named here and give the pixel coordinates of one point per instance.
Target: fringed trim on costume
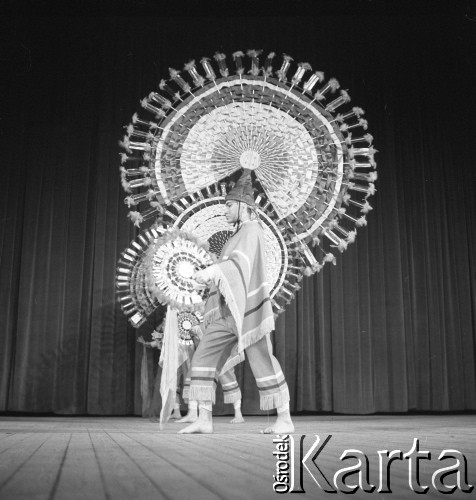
(250, 338)
(202, 393)
(275, 400)
(232, 397)
(227, 293)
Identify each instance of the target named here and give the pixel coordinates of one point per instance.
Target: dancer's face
(231, 211)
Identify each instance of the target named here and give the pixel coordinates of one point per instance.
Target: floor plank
(14, 457)
(169, 470)
(69, 458)
(38, 466)
(81, 475)
(122, 477)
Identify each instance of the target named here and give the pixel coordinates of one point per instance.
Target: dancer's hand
(142, 341)
(204, 275)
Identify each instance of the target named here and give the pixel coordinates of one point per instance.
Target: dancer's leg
(232, 393)
(208, 360)
(176, 411)
(238, 418)
(191, 415)
(231, 389)
(272, 386)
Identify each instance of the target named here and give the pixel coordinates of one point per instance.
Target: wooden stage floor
(56, 458)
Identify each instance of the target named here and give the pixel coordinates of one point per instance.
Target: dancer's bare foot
(238, 417)
(283, 425)
(203, 424)
(190, 417)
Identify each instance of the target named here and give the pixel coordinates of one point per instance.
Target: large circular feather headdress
(312, 162)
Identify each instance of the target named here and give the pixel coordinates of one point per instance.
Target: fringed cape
(239, 276)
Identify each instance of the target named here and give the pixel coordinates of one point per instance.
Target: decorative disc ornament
(186, 322)
(137, 283)
(313, 164)
(169, 265)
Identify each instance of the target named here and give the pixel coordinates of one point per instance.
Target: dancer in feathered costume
(239, 313)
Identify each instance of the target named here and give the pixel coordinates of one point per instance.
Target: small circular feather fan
(186, 322)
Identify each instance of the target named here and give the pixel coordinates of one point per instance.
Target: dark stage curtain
(390, 328)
